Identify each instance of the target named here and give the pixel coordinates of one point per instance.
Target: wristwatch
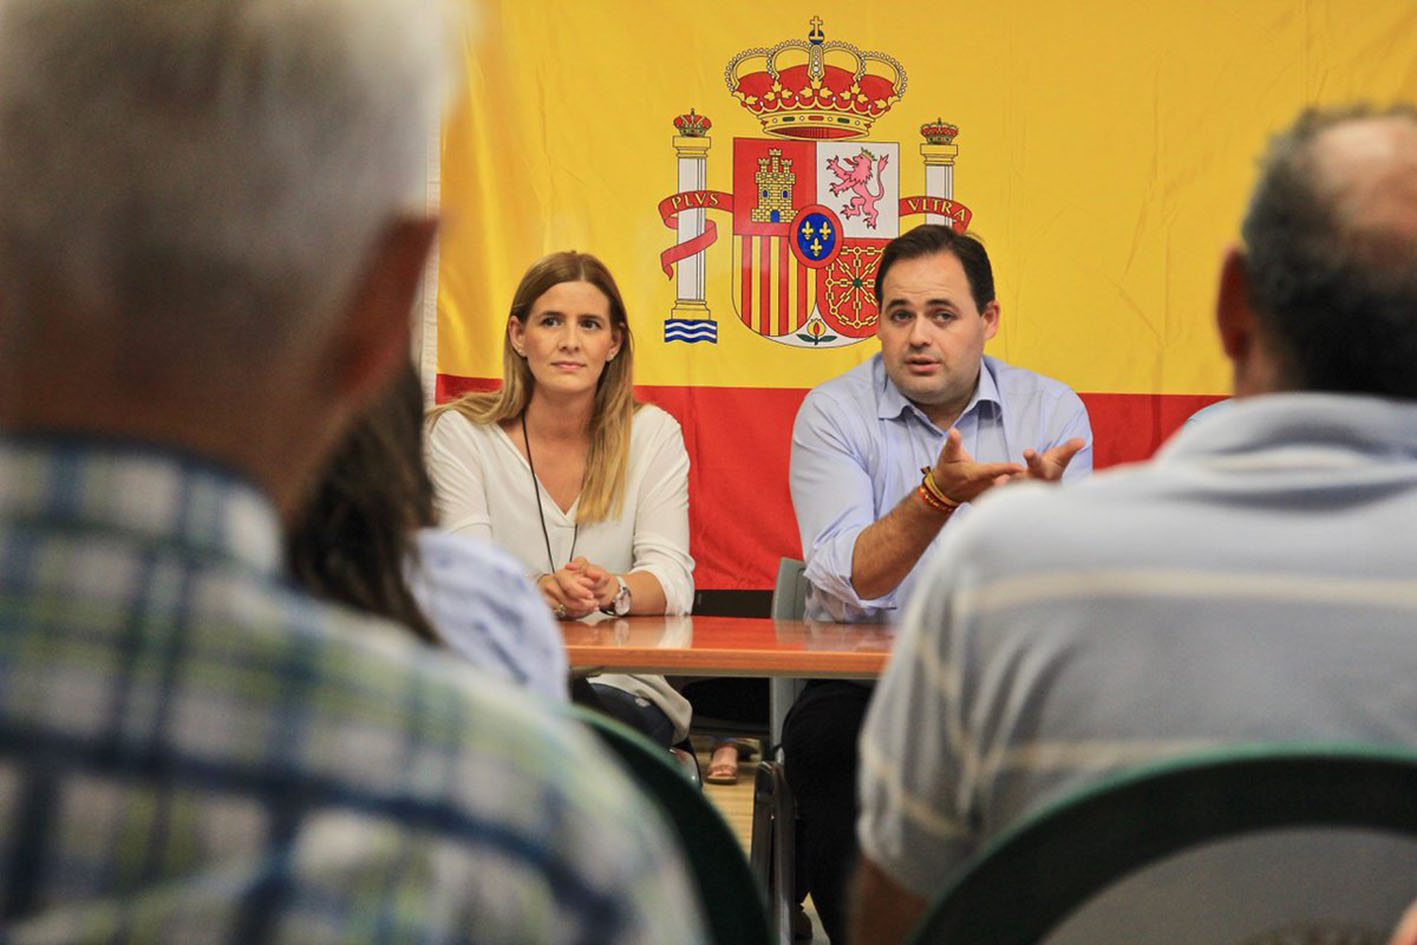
(619, 605)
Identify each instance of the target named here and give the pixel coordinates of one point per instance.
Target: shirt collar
(144, 492)
(1253, 426)
(891, 403)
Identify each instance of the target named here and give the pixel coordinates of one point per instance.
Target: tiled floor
(735, 802)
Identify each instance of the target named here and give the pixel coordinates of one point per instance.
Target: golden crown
(692, 125)
(939, 131)
(815, 89)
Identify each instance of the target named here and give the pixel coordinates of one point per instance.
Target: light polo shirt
(1256, 582)
(857, 449)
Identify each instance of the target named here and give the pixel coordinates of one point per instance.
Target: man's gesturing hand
(1048, 465)
(961, 479)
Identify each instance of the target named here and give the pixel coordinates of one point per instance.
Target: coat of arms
(812, 205)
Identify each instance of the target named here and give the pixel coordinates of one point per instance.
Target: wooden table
(728, 646)
(785, 650)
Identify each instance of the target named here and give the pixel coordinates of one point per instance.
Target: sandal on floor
(720, 770)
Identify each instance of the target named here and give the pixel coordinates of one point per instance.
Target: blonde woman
(587, 487)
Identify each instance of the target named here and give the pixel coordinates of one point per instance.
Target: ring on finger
(561, 611)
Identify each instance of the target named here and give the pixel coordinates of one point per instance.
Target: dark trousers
(727, 701)
(723, 703)
(819, 755)
(639, 714)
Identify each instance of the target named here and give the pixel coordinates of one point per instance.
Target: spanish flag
(738, 166)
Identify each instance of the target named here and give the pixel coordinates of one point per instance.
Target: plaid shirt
(191, 751)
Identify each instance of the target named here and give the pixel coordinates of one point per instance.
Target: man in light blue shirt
(869, 514)
(861, 439)
(862, 417)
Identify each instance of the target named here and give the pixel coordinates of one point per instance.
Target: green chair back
(733, 902)
(1266, 843)
(789, 602)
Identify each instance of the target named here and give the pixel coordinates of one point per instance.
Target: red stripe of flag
(739, 441)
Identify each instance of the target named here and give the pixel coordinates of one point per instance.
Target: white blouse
(485, 488)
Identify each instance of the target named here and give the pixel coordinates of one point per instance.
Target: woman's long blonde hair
(603, 489)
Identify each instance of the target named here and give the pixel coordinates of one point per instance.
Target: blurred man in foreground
(1253, 583)
(211, 231)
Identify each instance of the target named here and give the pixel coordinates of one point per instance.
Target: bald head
(1331, 246)
(1367, 168)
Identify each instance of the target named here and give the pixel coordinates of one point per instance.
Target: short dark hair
(1337, 300)
(931, 238)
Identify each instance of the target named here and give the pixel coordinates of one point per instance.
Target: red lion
(856, 179)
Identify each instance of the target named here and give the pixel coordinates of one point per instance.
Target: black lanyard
(536, 491)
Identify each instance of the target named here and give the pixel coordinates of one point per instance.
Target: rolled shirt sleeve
(834, 499)
(1071, 420)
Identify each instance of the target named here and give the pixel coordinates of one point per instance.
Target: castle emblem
(774, 183)
(812, 205)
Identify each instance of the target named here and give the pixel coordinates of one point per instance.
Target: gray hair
(204, 177)
(1334, 285)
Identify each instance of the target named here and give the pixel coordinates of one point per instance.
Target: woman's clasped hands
(578, 589)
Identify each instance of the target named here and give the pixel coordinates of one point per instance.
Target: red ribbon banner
(957, 213)
(669, 209)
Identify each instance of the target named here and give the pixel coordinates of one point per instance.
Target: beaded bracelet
(928, 485)
(933, 502)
